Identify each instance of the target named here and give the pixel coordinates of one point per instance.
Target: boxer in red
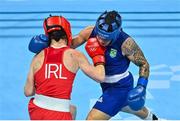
(52, 71)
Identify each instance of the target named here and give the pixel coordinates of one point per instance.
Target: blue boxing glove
(137, 96)
(38, 43)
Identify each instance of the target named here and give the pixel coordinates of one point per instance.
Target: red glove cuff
(99, 59)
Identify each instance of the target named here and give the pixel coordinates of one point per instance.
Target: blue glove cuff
(142, 81)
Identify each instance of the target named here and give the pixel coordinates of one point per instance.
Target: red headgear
(57, 23)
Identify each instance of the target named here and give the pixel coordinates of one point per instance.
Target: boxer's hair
(57, 35)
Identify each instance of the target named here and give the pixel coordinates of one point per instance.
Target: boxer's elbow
(28, 92)
(101, 77)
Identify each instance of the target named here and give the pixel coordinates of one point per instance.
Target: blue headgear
(108, 26)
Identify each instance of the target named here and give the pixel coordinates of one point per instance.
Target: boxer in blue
(119, 93)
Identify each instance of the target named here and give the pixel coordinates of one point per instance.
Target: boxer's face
(103, 42)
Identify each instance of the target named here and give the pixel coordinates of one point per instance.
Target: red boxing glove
(95, 51)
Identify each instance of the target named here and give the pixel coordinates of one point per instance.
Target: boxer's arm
(29, 89)
(82, 37)
(95, 72)
(135, 54)
(136, 97)
(73, 111)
